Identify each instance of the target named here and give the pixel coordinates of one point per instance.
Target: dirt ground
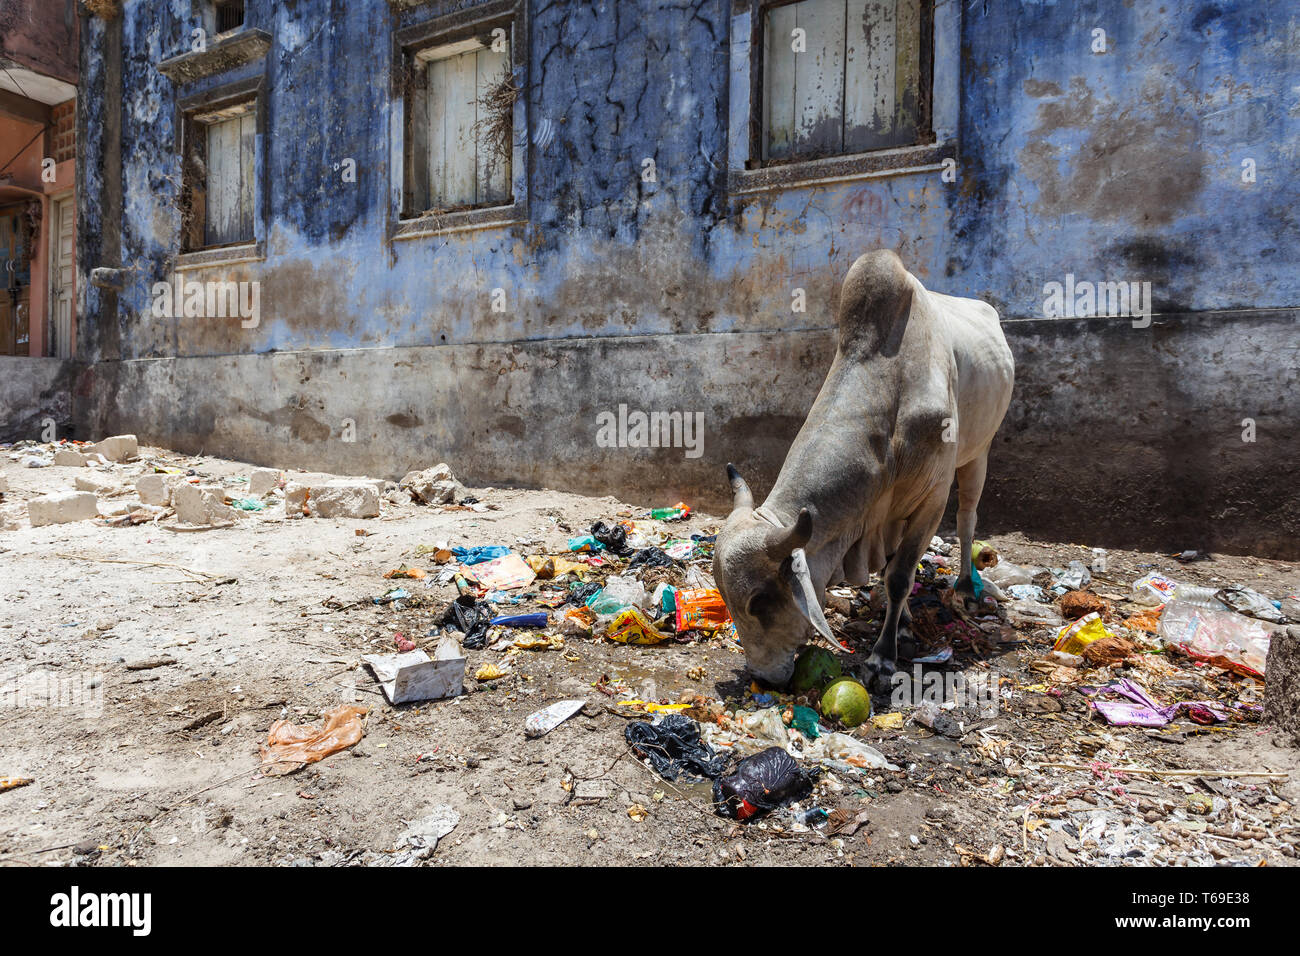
(269, 618)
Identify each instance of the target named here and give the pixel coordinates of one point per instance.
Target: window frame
(216, 7)
(758, 131)
(188, 111)
(758, 120)
(408, 43)
(936, 134)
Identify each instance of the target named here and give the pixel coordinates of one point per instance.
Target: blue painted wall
(1123, 165)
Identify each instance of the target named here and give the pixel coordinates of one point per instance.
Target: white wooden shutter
(855, 86)
(464, 170)
(231, 174)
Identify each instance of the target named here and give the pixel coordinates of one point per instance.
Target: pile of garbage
(1126, 650)
(631, 581)
(642, 579)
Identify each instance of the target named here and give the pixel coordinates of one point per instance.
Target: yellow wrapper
(1073, 639)
(631, 627)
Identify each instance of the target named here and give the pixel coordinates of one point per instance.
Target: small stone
(97, 484)
(433, 486)
(201, 504)
(153, 489)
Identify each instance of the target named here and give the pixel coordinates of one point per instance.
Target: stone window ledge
(225, 53)
(464, 220)
(901, 161)
(221, 256)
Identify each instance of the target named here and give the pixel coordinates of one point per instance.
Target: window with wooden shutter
(845, 76)
(460, 126)
(220, 173)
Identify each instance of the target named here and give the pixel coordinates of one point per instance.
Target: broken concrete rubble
(98, 484)
(117, 448)
(263, 481)
(202, 504)
(433, 486)
(69, 458)
(62, 508)
(155, 489)
(339, 498)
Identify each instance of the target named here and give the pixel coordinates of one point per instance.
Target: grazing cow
(914, 396)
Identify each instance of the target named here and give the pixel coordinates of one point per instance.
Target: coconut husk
(1075, 604)
(1109, 651)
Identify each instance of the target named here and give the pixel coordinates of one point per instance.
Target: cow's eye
(761, 603)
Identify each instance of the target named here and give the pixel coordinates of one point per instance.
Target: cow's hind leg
(970, 485)
(899, 575)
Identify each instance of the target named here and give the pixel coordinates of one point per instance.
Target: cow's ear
(805, 593)
(801, 533)
(782, 541)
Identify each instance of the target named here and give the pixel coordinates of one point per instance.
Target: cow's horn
(742, 496)
(805, 593)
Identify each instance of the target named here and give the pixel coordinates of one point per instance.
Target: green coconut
(847, 701)
(814, 669)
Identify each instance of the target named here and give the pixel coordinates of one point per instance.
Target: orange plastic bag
(701, 608)
(291, 746)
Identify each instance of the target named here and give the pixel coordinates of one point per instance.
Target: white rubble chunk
(62, 508)
(96, 483)
(154, 489)
(338, 498)
(117, 448)
(201, 504)
(69, 458)
(263, 481)
(433, 486)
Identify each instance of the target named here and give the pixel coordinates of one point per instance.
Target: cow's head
(762, 572)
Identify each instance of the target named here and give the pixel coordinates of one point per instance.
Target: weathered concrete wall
(34, 392)
(677, 295)
(41, 35)
(1159, 464)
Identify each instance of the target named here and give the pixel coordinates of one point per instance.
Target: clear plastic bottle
(1198, 596)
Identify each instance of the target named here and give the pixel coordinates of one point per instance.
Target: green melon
(847, 701)
(814, 669)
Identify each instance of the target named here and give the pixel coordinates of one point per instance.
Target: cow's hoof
(878, 670)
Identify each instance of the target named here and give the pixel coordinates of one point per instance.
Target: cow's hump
(874, 300)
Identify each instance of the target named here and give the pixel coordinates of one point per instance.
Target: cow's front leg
(900, 573)
(970, 485)
(898, 585)
(905, 617)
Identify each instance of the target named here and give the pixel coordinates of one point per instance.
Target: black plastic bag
(651, 558)
(761, 783)
(579, 593)
(466, 614)
(612, 536)
(674, 748)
